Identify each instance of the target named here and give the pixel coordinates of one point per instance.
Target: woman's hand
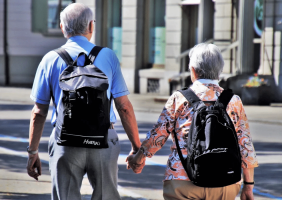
(247, 192)
(136, 162)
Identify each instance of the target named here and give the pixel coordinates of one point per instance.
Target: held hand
(136, 166)
(247, 192)
(33, 163)
(132, 152)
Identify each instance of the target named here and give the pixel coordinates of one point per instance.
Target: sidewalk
(261, 114)
(16, 184)
(154, 104)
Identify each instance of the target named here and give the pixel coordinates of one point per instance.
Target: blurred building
(151, 38)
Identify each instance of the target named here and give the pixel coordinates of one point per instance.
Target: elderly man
(69, 164)
(206, 64)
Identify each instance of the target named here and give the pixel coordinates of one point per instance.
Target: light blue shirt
(46, 81)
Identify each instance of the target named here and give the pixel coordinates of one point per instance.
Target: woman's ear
(194, 75)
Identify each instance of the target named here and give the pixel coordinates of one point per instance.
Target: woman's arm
(137, 161)
(156, 137)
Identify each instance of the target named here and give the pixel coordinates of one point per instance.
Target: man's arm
(247, 191)
(127, 116)
(37, 121)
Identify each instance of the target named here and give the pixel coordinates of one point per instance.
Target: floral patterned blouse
(177, 116)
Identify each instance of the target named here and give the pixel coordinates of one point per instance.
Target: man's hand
(132, 152)
(33, 163)
(136, 161)
(247, 192)
(37, 120)
(132, 163)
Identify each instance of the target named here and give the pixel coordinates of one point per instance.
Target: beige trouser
(177, 189)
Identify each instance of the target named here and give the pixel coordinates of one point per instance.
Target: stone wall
(129, 33)
(222, 31)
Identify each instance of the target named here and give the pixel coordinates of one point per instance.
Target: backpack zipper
(83, 135)
(236, 139)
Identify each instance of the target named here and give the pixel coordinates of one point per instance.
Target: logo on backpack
(213, 154)
(86, 141)
(218, 150)
(84, 112)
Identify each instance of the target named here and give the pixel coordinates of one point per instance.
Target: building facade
(151, 38)
(22, 48)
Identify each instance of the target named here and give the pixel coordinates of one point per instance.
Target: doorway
(189, 35)
(154, 34)
(109, 25)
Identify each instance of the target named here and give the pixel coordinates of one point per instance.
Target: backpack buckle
(72, 96)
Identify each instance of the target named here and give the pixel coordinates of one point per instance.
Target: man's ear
(91, 27)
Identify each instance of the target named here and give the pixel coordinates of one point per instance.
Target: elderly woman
(206, 64)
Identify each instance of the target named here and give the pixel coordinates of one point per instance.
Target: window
(114, 27)
(155, 33)
(54, 8)
(46, 15)
(153, 86)
(108, 28)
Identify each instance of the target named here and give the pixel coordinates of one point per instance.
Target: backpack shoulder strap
(191, 97)
(179, 151)
(64, 55)
(225, 97)
(94, 52)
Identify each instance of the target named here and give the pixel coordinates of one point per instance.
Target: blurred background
(152, 40)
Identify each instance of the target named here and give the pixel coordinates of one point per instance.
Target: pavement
(147, 108)
(150, 103)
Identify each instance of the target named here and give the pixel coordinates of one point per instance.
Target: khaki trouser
(183, 190)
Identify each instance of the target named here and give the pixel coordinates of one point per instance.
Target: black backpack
(213, 158)
(83, 119)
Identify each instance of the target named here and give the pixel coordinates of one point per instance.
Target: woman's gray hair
(206, 60)
(75, 19)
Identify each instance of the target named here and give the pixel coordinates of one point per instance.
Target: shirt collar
(76, 38)
(206, 81)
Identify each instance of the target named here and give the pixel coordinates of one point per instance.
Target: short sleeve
(238, 116)
(157, 137)
(41, 86)
(119, 87)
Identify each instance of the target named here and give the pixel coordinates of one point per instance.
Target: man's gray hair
(206, 60)
(75, 19)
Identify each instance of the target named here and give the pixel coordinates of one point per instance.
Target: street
(15, 183)
(146, 50)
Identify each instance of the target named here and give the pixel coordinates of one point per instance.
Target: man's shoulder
(107, 52)
(108, 57)
(50, 56)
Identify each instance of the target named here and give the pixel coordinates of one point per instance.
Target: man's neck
(88, 36)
